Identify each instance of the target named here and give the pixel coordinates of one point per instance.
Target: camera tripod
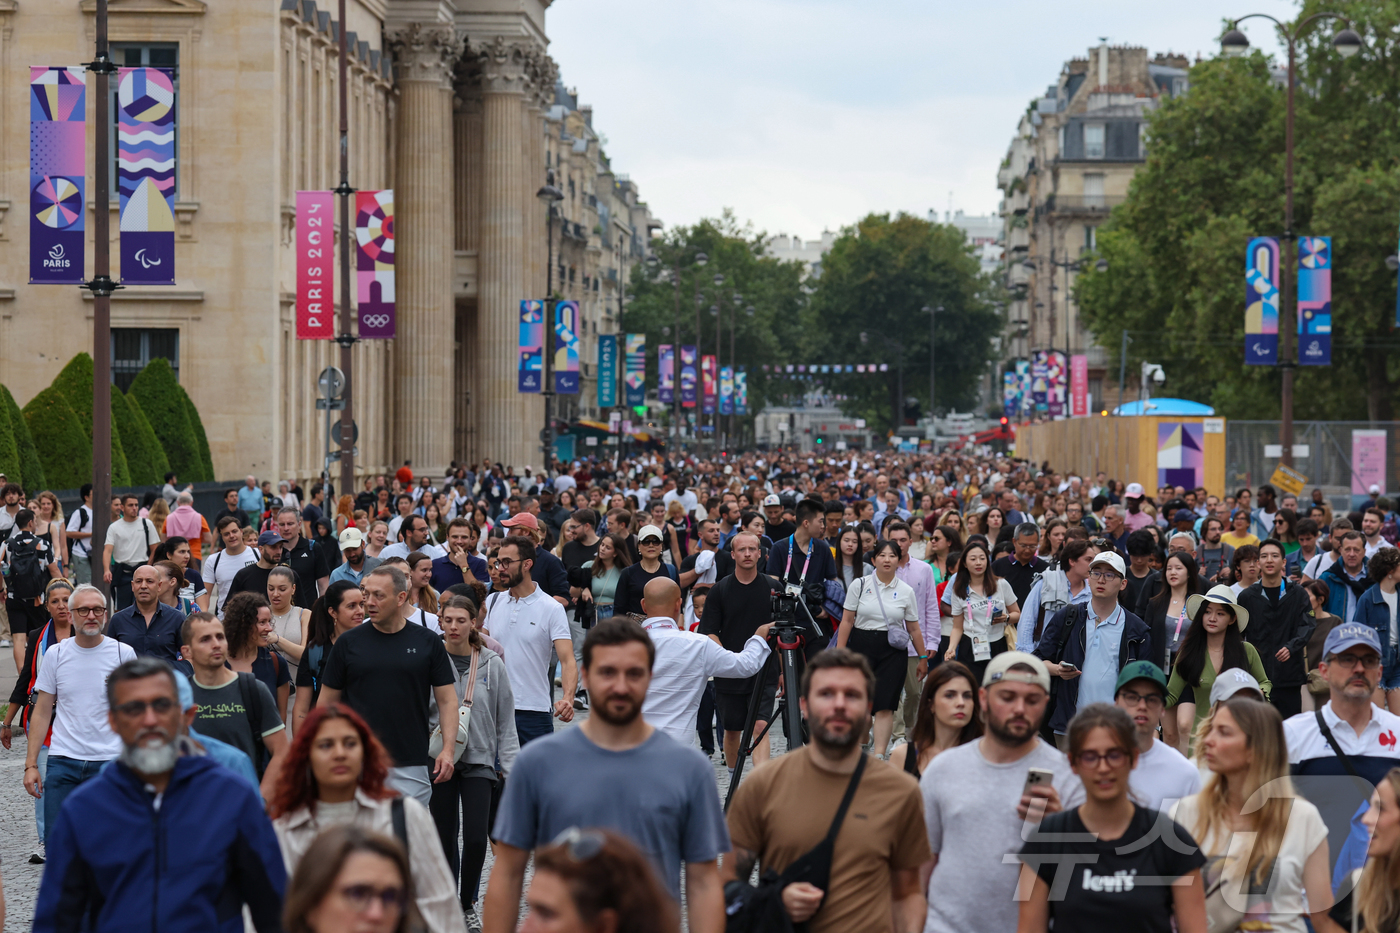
(790, 634)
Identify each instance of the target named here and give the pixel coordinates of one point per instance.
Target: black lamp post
(548, 194)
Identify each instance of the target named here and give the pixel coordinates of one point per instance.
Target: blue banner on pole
(607, 370)
(1261, 302)
(1315, 301)
(530, 354)
(566, 347)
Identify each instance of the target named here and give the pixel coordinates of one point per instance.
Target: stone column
(422, 387)
(508, 422)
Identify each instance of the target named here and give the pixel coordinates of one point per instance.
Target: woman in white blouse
(874, 606)
(983, 609)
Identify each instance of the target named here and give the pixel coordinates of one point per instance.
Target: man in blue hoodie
(159, 842)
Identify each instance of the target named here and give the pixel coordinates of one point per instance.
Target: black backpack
(28, 566)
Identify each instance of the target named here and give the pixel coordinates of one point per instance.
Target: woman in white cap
(1214, 643)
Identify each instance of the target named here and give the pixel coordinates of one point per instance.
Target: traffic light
(820, 439)
(1005, 421)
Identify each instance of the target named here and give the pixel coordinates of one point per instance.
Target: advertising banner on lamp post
(531, 352)
(1261, 302)
(607, 370)
(635, 381)
(146, 174)
(374, 263)
(315, 244)
(726, 390)
(708, 384)
(57, 174)
(1315, 301)
(688, 376)
(666, 373)
(1079, 386)
(741, 392)
(566, 347)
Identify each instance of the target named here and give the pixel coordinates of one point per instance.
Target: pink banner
(1367, 460)
(315, 266)
(1079, 386)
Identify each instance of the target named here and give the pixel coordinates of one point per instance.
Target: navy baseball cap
(1184, 515)
(268, 538)
(1350, 635)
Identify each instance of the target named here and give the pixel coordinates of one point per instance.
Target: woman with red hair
(335, 776)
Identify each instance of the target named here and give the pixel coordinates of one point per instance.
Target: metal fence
(1326, 460)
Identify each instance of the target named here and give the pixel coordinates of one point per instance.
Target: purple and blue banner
(374, 264)
(726, 390)
(635, 380)
(741, 392)
(1261, 302)
(566, 347)
(531, 372)
(1315, 301)
(708, 394)
(146, 174)
(665, 373)
(688, 374)
(607, 370)
(57, 174)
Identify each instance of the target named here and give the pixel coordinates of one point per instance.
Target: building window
(1090, 240)
(1142, 140)
(133, 348)
(1060, 140)
(1093, 140)
(1093, 189)
(133, 55)
(1179, 86)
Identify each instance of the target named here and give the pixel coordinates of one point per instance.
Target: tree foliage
(64, 448)
(159, 395)
(9, 449)
(875, 281)
(75, 383)
(1214, 177)
(206, 463)
(31, 469)
(145, 457)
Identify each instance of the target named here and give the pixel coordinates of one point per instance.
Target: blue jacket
(1337, 582)
(1371, 610)
(1135, 645)
(116, 864)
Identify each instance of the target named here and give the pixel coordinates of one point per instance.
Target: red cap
(522, 520)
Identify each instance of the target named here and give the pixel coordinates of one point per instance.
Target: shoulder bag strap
(1332, 741)
(400, 821)
(471, 680)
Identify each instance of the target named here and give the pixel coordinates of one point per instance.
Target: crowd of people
(1028, 700)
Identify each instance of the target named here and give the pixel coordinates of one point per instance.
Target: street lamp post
(1234, 43)
(932, 315)
(549, 194)
(700, 260)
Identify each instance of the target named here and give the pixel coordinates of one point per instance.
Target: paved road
(18, 835)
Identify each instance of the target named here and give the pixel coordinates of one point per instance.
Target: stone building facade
(452, 104)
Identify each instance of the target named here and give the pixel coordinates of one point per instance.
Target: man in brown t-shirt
(786, 807)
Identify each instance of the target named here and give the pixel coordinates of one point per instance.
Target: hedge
(201, 440)
(164, 405)
(9, 450)
(75, 382)
(144, 455)
(64, 448)
(31, 468)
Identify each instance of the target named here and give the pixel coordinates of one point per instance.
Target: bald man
(686, 660)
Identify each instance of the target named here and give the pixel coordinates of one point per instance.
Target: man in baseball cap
(356, 563)
(1132, 500)
(1162, 774)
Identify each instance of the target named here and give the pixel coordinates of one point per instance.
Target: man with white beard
(163, 833)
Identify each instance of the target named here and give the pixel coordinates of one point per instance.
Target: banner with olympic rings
(374, 263)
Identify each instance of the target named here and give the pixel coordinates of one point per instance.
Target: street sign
(331, 382)
(336, 433)
(331, 404)
(335, 454)
(1288, 480)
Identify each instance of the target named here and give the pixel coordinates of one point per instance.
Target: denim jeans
(39, 802)
(415, 782)
(63, 777)
(533, 724)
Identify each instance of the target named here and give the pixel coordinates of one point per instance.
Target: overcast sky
(807, 114)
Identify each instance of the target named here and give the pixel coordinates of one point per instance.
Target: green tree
(9, 449)
(144, 455)
(64, 449)
(206, 463)
(1214, 177)
(75, 382)
(31, 469)
(875, 281)
(158, 393)
(739, 254)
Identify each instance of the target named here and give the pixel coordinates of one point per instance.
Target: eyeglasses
(1105, 576)
(133, 708)
(1371, 661)
(503, 563)
(359, 897)
(1114, 756)
(95, 612)
(580, 844)
(1153, 700)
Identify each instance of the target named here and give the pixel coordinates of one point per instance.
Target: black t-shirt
(252, 579)
(1111, 890)
(223, 716)
(388, 679)
(819, 553)
(576, 553)
(733, 612)
(235, 513)
(1019, 575)
(309, 564)
(781, 530)
(312, 513)
(1137, 586)
(724, 564)
(632, 581)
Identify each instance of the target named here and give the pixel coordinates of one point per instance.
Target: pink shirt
(1133, 522)
(185, 522)
(919, 576)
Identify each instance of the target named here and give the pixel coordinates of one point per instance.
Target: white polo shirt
(527, 629)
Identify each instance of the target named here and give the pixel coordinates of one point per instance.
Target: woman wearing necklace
(289, 621)
(422, 604)
(982, 606)
(336, 777)
(1214, 643)
(949, 715)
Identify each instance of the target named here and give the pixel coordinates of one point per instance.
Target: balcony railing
(1082, 203)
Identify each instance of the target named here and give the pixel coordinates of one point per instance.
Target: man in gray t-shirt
(973, 802)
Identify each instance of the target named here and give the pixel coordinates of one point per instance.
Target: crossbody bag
(464, 718)
(897, 635)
